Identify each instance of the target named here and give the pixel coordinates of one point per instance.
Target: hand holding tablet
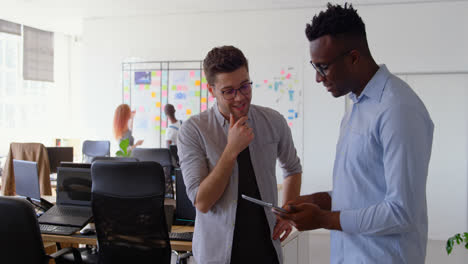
(265, 204)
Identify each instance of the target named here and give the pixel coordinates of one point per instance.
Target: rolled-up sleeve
(406, 139)
(192, 157)
(287, 154)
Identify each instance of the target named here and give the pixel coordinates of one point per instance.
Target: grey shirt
(201, 141)
(128, 135)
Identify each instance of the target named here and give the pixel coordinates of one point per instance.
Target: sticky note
(204, 86)
(158, 73)
(203, 100)
(153, 94)
(180, 106)
(126, 96)
(203, 106)
(210, 99)
(265, 81)
(141, 87)
(153, 74)
(126, 89)
(189, 111)
(158, 104)
(290, 124)
(157, 128)
(164, 87)
(164, 93)
(204, 80)
(197, 83)
(197, 93)
(288, 76)
(141, 109)
(146, 86)
(157, 118)
(282, 72)
(174, 88)
(163, 132)
(192, 74)
(282, 78)
(163, 123)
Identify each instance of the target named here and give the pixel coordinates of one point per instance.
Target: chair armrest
(76, 254)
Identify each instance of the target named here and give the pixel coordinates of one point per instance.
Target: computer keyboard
(57, 230)
(184, 236)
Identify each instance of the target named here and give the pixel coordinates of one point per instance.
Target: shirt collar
(374, 88)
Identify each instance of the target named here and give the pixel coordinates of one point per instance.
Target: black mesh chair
(95, 149)
(162, 156)
(128, 210)
(20, 239)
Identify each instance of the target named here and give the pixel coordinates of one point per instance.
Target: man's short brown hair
(223, 59)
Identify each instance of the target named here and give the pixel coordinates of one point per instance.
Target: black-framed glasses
(322, 68)
(245, 89)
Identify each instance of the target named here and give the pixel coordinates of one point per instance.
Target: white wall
(407, 37)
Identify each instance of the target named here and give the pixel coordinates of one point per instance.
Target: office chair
(20, 239)
(161, 156)
(94, 149)
(123, 159)
(128, 210)
(30, 152)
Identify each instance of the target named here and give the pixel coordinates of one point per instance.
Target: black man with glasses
(229, 150)
(377, 210)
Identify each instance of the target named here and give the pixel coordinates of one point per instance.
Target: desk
(92, 240)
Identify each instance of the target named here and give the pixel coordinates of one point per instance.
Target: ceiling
(67, 15)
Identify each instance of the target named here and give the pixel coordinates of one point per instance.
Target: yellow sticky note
(153, 94)
(203, 100)
(197, 83)
(189, 111)
(157, 118)
(158, 104)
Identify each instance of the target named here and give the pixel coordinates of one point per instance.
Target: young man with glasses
(229, 150)
(377, 209)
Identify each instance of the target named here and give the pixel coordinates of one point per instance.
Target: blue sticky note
(291, 110)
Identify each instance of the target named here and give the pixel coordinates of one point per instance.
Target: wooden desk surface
(92, 240)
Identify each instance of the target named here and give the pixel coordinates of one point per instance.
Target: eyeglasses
(245, 89)
(322, 68)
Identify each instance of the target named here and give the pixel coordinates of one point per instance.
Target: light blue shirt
(380, 173)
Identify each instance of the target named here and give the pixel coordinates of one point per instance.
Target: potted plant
(459, 239)
(124, 152)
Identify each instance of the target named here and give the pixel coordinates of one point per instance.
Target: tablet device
(260, 202)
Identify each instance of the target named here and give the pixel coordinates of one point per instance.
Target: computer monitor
(185, 211)
(75, 165)
(74, 186)
(57, 155)
(27, 179)
(27, 183)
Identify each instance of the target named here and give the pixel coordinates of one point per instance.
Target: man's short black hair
(223, 59)
(336, 21)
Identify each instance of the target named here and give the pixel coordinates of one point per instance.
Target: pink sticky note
(203, 107)
(210, 99)
(265, 81)
(185, 88)
(203, 86)
(126, 74)
(180, 106)
(158, 73)
(164, 93)
(163, 123)
(126, 96)
(192, 74)
(288, 76)
(290, 123)
(179, 87)
(142, 87)
(141, 109)
(282, 72)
